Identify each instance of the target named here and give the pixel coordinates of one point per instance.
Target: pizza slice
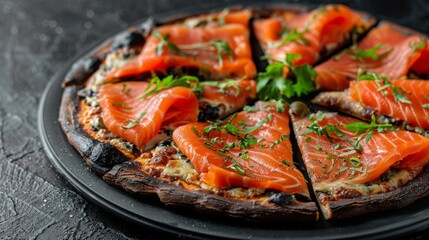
(387, 50)
(240, 166)
(311, 35)
(357, 167)
(404, 103)
(213, 51)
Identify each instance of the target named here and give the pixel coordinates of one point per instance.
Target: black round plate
(69, 163)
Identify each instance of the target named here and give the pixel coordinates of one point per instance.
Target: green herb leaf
(293, 36)
(169, 82)
(223, 49)
(281, 139)
(418, 46)
(131, 124)
(361, 54)
(248, 108)
(122, 105)
(272, 85)
(222, 15)
(384, 84)
(163, 41)
(224, 85)
(236, 167)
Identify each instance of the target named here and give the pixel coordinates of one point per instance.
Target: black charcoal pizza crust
(119, 170)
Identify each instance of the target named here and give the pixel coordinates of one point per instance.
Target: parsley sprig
(273, 85)
(156, 84)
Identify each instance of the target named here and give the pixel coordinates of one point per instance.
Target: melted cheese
(375, 187)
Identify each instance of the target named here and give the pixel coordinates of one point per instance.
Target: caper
(300, 109)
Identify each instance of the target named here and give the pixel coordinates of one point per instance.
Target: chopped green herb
(224, 85)
(336, 146)
(169, 82)
(292, 36)
(209, 145)
(418, 46)
(236, 167)
(361, 54)
(352, 151)
(163, 41)
(332, 164)
(319, 148)
(384, 84)
(248, 108)
(307, 139)
(124, 89)
(131, 124)
(244, 155)
(426, 105)
(221, 46)
(364, 129)
(281, 139)
(343, 169)
(354, 161)
(287, 164)
(222, 15)
(121, 104)
(196, 132)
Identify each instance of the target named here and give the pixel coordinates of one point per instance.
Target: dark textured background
(37, 39)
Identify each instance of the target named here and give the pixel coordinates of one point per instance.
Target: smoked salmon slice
(139, 120)
(250, 149)
(413, 109)
(384, 51)
(217, 52)
(333, 160)
(220, 18)
(321, 30)
(226, 97)
(404, 103)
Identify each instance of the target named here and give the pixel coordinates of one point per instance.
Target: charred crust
(99, 156)
(280, 199)
(128, 40)
(207, 112)
(81, 71)
(203, 202)
(397, 198)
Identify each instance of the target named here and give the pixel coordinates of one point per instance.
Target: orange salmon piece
(238, 64)
(396, 57)
(120, 104)
(327, 163)
(224, 162)
(415, 113)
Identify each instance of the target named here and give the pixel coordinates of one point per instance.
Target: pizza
(286, 114)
